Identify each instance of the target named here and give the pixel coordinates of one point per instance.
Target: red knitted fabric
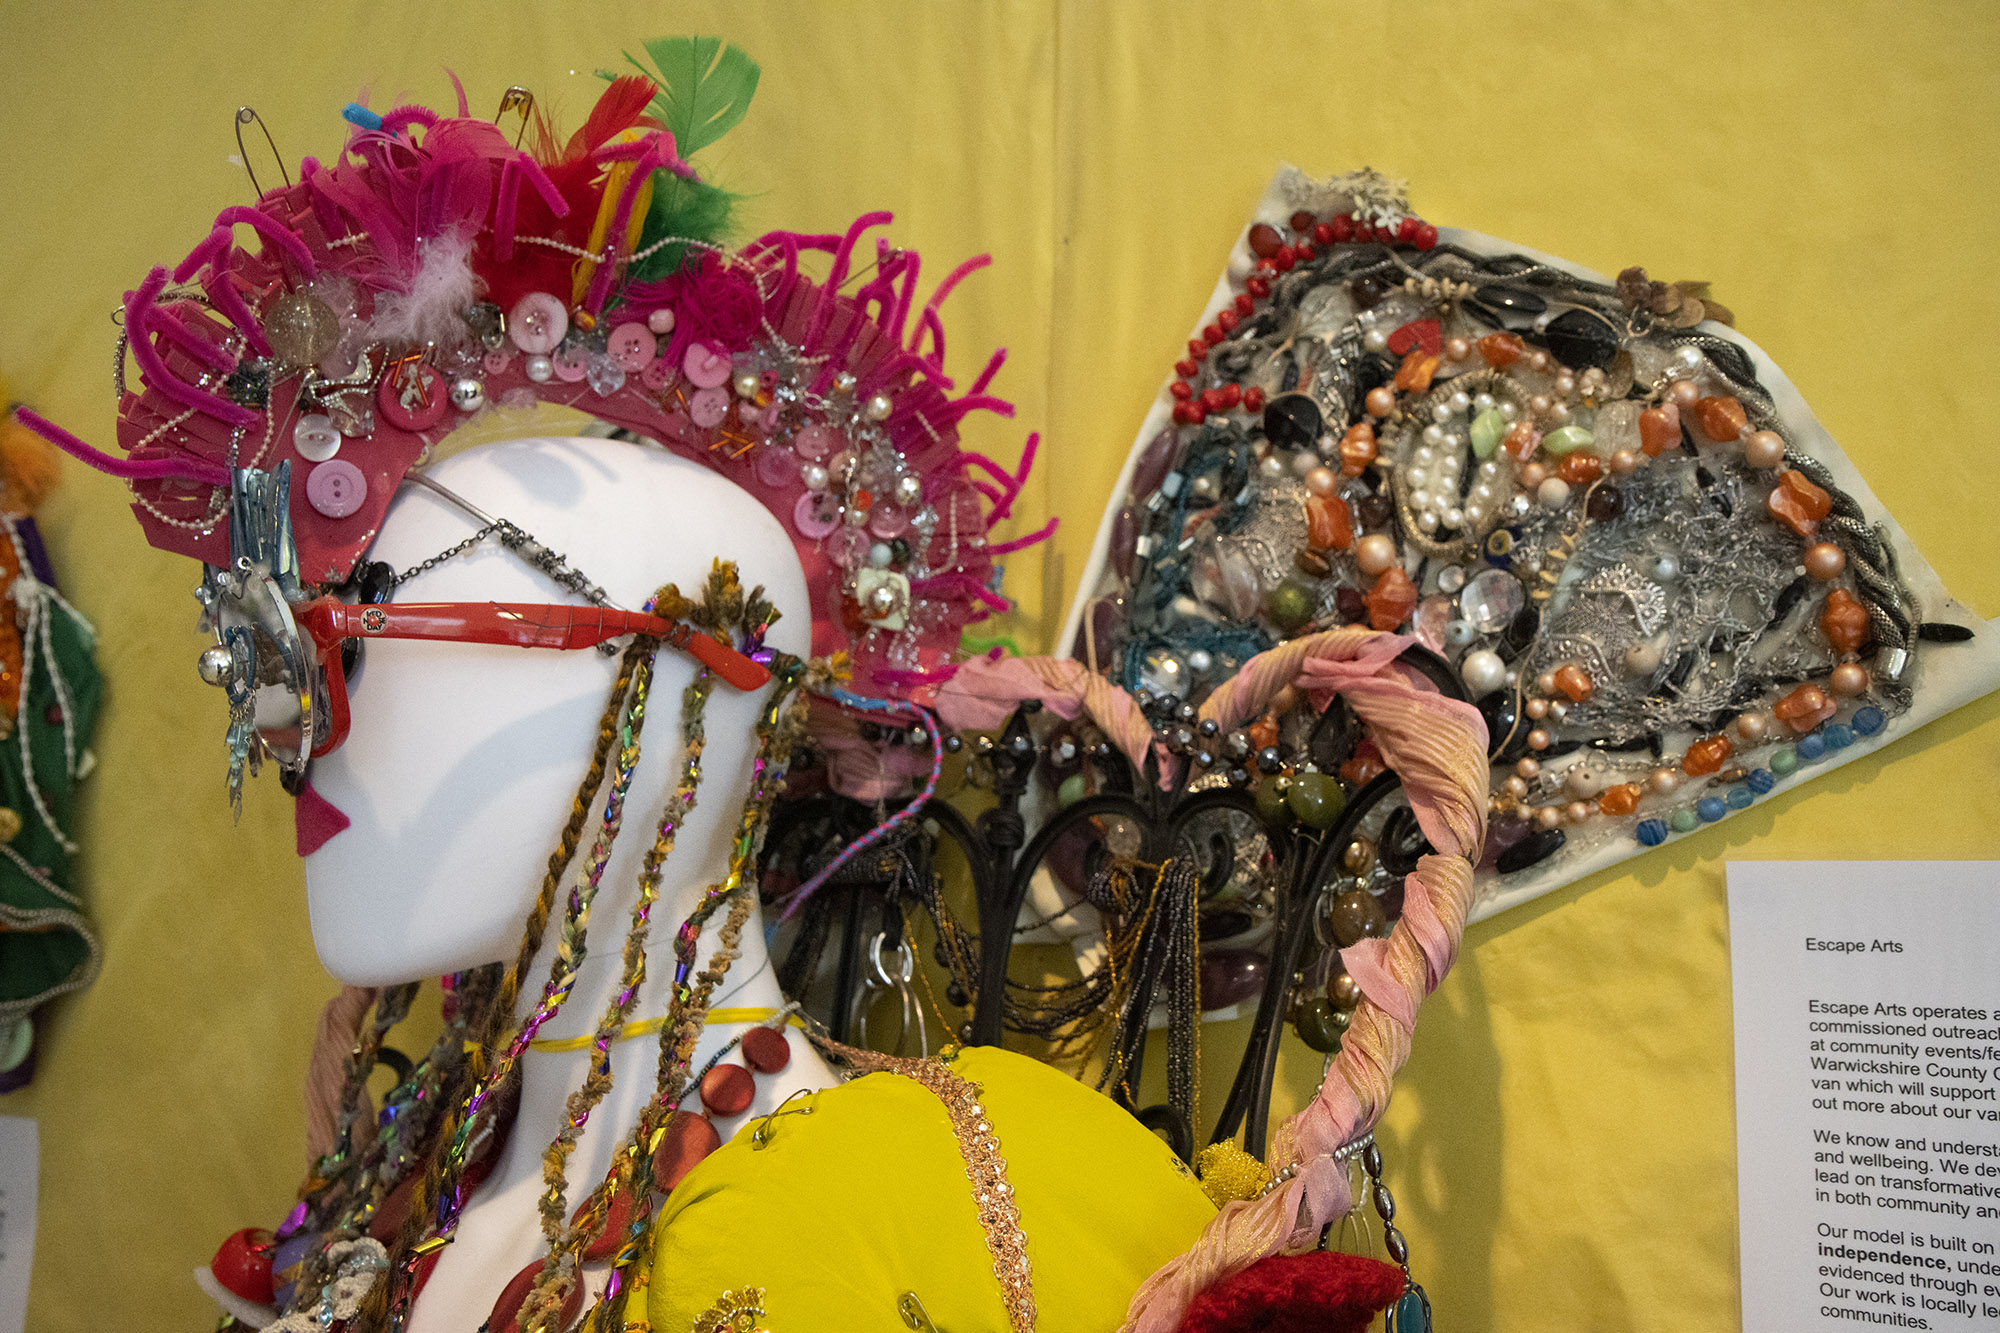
(1317, 1292)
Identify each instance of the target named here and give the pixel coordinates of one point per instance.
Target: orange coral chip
(1798, 503)
(1416, 372)
(1391, 600)
(1844, 621)
(1501, 349)
(1622, 799)
(1706, 756)
(1804, 708)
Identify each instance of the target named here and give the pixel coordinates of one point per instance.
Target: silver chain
(517, 540)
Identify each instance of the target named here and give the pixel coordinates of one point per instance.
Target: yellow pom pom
(1228, 1173)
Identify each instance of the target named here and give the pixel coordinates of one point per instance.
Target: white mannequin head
(463, 759)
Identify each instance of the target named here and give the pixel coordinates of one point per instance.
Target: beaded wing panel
(1614, 518)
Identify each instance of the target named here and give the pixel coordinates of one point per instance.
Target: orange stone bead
(1706, 756)
(1362, 770)
(1417, 369)
(1264, 733)
(1391, 600)
(1622, 799)
(1357, 449)
(1804, 708)
(1501, 349)
(1580, 469)
(1659, 429)
(1522, 441)
(1722, 419)
(1574, 681)
(1844, 621)
(1329, 525)
(1799, 504)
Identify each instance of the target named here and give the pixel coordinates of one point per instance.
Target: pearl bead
(1381, 401)
(1683, 394)
(814, 476)
(1441, 412)
(1483, 672)
(1459, 633)
(1459, 403)
(1303, 462)
(1666, 568)
(1539, 405)
(1689, 357)
(1482, 402)
(1532, 475)
(1427, 522)
(1565, 384)
(1578, 811)
(1548, 817)
(878, 407)
(1584, 781)
(1528, 768)
(1764, 448)
(1420, 499)
(1824, 560)
(1454, 517)
(1642, 659)
(1553, 493)
(1272, 466)
(538, 368)
(1375, 340)
(1545, 684)
(1624, 462)
(1432, 435)
(1538, 360)
(909, 489)
(1322, 481)
(1664, 781)
(844, 382)
(1752, 726)
(1200, 660)
(1515, 788)
(1375, 553)
(661, 321)
(1456, 349)
(1509, 412)
(1538, 739)
(1559, 413)
(1849, 679)
(879, 555)
(1537, 708)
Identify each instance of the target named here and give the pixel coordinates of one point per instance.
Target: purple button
(632, 346)
(707, 407)
(336, 488)
(706, 368)
(537, 323)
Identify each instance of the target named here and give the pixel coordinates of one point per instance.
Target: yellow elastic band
(650, 1025)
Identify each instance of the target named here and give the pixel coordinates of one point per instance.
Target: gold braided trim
(733, 1312)
(992, 1195)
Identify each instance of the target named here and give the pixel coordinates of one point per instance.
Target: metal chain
(523, 544)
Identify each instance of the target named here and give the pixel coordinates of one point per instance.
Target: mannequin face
(464, 759)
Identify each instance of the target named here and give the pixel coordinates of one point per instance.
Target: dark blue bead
(1710, 808)
(1812, 747)
(1651, 832)
(1761, 781)
(1868, 720)
(1739, 798)
(1839, 736)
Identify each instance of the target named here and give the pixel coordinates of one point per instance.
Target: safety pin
(914, 1314)
(516, 98)
(244, 116)
(761, 1136)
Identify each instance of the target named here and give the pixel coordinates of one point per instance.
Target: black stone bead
(1537, 847)
(1506, 738)
(1367, 293)
(1209, 728)
(1509, 307)
(1237, 745)
(1789, 598)
(871, 732)
(1239, 776)
(1184, 712)
(1605, 503)
(953, 744)
(954, 994)
(1941, 631)
(1292, 421)
(1582, 340)
(1268, 760)
(1376, 511)
(1520, 632)
(1353, 607)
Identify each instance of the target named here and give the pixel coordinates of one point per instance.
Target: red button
(766, 1050)
(688, 1139)
(412, 396)
(726, 1090)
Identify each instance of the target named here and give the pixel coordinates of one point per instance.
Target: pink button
(705, 368)
(657, 374)
(887, 521)
(412, 396)
(776, 467)
(708, 407)
(816, 514)
(846, 547)
(818, 442)
(632, 346)
(336, 488)
(570, 365)
(496, 363)
(537, 323)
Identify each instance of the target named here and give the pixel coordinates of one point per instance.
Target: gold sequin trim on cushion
(733, 1312)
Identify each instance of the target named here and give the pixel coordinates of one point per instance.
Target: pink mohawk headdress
(436, 270)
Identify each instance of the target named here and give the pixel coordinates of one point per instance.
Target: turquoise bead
(1488, 429)
(1684, 820)
(1409, 1315)
(1784, 760)
(1568, 439)
(1739, 798)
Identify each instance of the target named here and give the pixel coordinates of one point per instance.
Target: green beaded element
(1316, 798)
(1784, 760)
(1684, 820)
(1488, 429)
(1567, 440)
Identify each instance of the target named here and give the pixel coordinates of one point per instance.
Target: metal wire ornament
(247, 116)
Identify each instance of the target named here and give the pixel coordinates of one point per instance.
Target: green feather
(680, 207)
(705, 87)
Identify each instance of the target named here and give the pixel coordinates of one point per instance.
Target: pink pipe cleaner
(139, 307)
(130, 469)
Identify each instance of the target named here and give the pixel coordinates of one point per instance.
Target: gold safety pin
(519, 99)
(762, 1134)
(914, 1314)
(247, 115)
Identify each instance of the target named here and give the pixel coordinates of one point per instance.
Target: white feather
(433, 308)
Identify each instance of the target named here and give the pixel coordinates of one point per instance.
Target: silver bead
(878, 407)
(843, 382)
(216, 665)
(468, 394)
(909, 489)
(882, 601)
(814, 476)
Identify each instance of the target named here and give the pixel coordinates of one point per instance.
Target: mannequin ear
(1315, 1292)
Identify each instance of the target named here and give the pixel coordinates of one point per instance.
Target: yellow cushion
(844, 1210)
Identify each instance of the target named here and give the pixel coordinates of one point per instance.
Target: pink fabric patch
(316, 819)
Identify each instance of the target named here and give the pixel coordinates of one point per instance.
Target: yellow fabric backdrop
(1562, 1144)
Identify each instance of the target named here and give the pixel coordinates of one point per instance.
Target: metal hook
(244, 116)
(519, 99)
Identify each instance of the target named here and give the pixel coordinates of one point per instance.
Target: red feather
(617, 111)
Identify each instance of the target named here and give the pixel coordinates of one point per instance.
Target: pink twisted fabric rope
(984, 691)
